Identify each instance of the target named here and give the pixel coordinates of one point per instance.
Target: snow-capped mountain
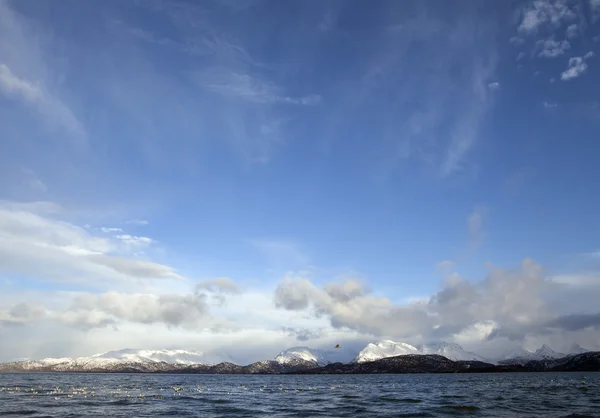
(577, 349)
(388, 348)
(317, 356)
(546, 353)
(156, 356)
(384, 349)
(147, 359)
(519, 355)
(451, 351)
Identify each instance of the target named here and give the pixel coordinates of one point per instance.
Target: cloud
(540, 13)
(96, 310)
(572, 31)
(464, 134)
(551, 48)
(137, 222)
(516, 40)
(577, 66)
(21, 314)
(475, 226)
(575, 322)
(282, 253)
(519, 303)
(249, 88)
(595, 7)
(34, 242)
(219, 285)
(110, 230)
(134, 241)
(494, 85)
(549, 105)
(33, 181)
(52, 109)
(302, 334)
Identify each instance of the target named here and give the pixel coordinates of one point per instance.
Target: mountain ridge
(290, 360)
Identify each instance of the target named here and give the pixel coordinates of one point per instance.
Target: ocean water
(431, 395)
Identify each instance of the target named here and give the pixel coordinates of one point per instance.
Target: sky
(246, 176)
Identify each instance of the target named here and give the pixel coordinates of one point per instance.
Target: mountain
(577, 349)
(521, 356)
(318, 357)
(384, 349)
(388, 348)
(157, 356)
(406, 363)
(545, 353)
(409, 363)
(130, 359)
(449, 350)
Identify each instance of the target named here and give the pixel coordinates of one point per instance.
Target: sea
(403, 395)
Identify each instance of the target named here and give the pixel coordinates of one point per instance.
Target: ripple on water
(399, 400)
(461, 409)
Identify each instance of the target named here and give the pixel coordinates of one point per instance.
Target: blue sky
(398, 144)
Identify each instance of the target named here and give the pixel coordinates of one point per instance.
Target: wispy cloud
(33, 181)
(466, 131)
(34, 242)
(475, 227)
(33, 94)
(249, 88)
(595, 6)
(282, 253)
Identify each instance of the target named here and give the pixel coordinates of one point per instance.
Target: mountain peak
(388, 348)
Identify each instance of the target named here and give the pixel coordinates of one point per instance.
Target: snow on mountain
(545, 353)
(577, 349)
(384, 349)
(519, 355)
(122, 357)
(451, 351)
(317, 356)
(387, 348)
(156, 356)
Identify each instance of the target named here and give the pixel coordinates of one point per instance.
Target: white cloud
(572, 31)
(518, 304)
(110, 230)
(589, 55)
(92, 310)
(219, 285)
(520, 56)
(577, 66)
(494, 85)
(134, 241)
(549, 105)
(545, 12)
(137, 222)
(551, 48)
(34, 242)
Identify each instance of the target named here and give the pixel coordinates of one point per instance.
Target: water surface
(143, 395)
